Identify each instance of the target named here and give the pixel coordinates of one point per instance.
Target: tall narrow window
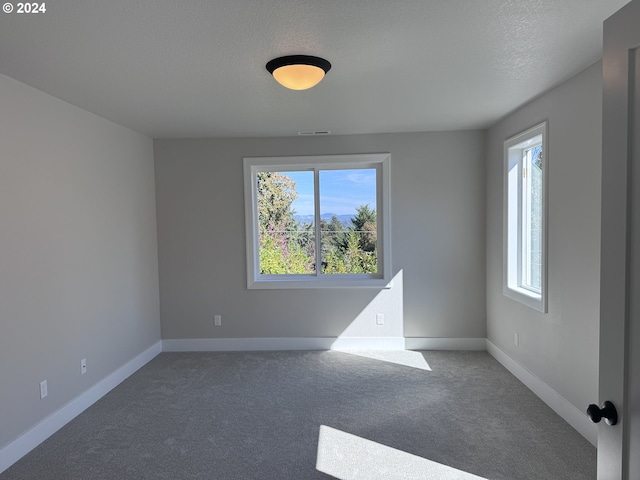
(317, 221)
(525, 217)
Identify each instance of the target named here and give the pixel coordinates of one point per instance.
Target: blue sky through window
(341, 191)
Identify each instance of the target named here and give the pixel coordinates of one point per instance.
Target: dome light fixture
(298, 72)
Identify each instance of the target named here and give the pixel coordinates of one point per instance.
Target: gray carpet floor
(295, 415)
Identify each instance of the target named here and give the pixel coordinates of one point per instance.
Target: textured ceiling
(178, 68)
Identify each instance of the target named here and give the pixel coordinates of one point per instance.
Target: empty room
(303, 239)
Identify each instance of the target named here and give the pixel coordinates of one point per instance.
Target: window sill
(526, 297)
(275, 282)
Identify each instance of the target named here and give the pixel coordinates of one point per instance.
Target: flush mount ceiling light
(298, 72)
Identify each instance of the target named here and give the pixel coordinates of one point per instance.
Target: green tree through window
(288, 245)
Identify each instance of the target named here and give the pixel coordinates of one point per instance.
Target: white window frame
(378, 161)
(515, 225)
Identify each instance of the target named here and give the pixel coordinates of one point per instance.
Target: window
(525, 217)
(319, 221)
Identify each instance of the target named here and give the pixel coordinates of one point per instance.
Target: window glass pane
(286, 223)
(348, 221)
(533, 219)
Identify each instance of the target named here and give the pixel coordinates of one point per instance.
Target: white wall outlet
(83, 366)
(379, 318)
(43, 389)
(217, 320)
(516, 339)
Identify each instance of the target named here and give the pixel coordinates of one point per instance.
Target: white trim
(368, 343)
(320, 343)
(244, 344)
(22, 445)
(572, 415)
(426, 343)
(288, 343)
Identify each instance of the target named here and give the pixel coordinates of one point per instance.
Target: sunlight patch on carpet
(349, 457)
(407, 358)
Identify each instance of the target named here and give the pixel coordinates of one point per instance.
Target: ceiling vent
(311, 133)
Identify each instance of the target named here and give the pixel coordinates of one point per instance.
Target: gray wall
(560, 347)
(78, 252)
(438, 235)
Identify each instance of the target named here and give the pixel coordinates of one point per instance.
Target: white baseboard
(424, 343)
(368, 343)
(262, 344)
(244, 344)
(320, 343)
(18, 448)
(572, 415)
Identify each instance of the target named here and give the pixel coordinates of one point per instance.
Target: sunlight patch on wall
(349, 457)
(389, 303)
(366, 337)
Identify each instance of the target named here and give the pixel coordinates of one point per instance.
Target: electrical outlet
(83, 366)
(217, 320)
(516, 339)
(43, 389)
(379, 318)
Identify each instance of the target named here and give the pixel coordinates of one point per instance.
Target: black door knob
(608, 412)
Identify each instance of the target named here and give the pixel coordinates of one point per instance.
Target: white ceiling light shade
(298, 72)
